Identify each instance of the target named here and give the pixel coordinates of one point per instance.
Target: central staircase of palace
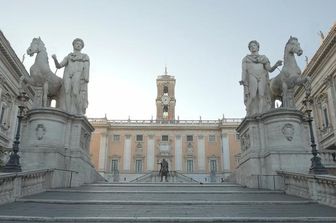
(164, 202)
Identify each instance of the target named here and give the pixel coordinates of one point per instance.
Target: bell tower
(165, 100)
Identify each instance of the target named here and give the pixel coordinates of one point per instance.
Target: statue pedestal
(275, 140)
(53, 139)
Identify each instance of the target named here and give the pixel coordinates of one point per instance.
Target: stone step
(164, 203)
(221, 196)
(150, 202)
(94, 190)
(95, 212)
(23, 219)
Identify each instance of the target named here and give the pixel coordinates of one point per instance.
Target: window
(164, 138)
(138, 166)
(139, 138)
(189, 138)
(116, 138)
(2, 114)
(165, 89)
(189, 166)
(325, 118)
(212, 138)
(213, 166)
(114, 166)
(165, 112)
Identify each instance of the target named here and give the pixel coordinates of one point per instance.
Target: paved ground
(164, 203)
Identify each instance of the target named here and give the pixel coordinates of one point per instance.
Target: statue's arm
(86, 70)
(244, 81)
(57, 64)
(271, 69)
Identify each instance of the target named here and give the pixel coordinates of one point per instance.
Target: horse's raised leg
(45, 94)
(284, 94)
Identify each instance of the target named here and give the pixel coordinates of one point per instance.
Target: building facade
(11, 73)
(322, 71)
(200, 149)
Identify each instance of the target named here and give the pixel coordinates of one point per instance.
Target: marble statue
(282, 86)
(255, 79)
(41, 76)
(75, 78)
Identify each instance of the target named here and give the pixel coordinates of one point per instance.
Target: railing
(143, 177)
(71, 171)
(320, 188)
(173, 176)
(15, 185)
(185, 177)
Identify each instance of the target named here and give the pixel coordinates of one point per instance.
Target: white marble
(282, 86)
(42, 77)
(150, 153)
(201, 153)
(225, 152)
(103, 153)
(255, 79)
(127, 153)
(75, 78)
(178, 153)
(54, 139)
(277, 140)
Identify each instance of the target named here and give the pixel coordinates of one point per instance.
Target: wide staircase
(164, 202)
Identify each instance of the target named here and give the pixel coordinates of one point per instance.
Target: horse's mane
(291, 39)
(41, 44)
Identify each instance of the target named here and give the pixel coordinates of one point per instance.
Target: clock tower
(165, 100)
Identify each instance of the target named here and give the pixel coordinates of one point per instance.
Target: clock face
(165, 99)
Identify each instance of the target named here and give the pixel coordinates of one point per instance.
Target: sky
(202, 43)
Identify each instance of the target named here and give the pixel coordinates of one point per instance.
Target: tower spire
(166, 72)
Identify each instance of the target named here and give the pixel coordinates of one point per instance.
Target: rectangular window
(164, 138)
(189, 138)
(213, 166)
(212, 138)
(138, 166)
(116, 138)
(190, 166)
(139, 138)
(114, 166)
(325, 116)
(2, 114)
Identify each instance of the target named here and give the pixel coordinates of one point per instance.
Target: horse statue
(282, 86)
(42, 76)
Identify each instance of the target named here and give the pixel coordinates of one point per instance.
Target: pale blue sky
(201, 41)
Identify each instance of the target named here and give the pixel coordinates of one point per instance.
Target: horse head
(35, 47)
(293, 46)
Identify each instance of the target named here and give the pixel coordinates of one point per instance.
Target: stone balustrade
(320, 188)
(128, 122)
(16, 185)
(327, 159)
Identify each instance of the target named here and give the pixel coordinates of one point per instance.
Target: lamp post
(316, 165)
(13, 164)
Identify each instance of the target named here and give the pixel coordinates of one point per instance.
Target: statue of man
(164, 170)
(75, 78)
(255, 79)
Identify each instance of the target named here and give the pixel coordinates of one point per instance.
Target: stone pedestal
(57, 140)
(275, 140)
